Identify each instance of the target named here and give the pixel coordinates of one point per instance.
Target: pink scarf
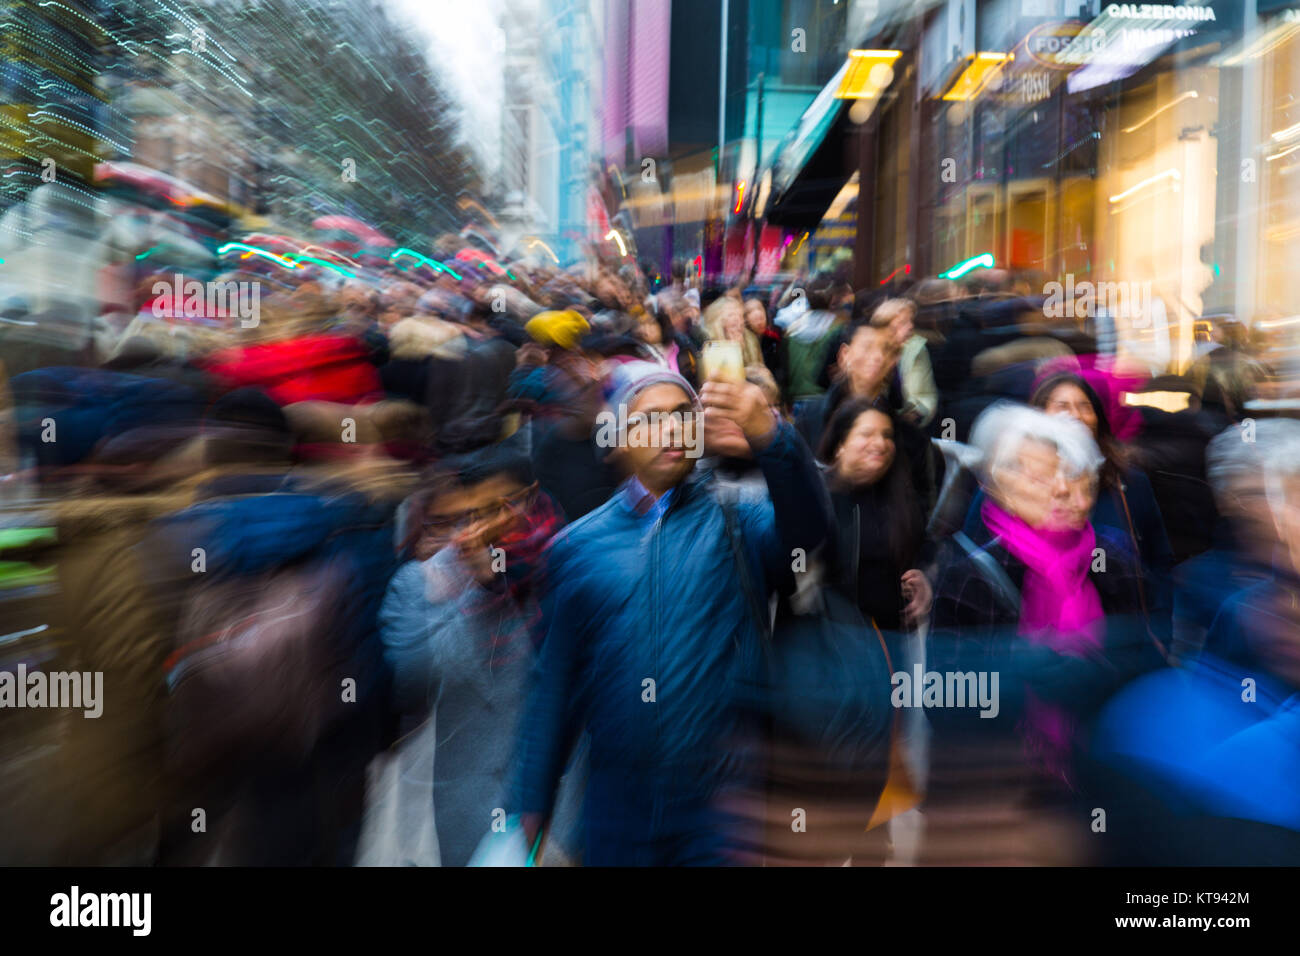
(1059, 607)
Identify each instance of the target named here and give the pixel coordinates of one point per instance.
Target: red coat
(327, 368)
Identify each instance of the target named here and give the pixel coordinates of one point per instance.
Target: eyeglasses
(1052, 481)
(516, 503)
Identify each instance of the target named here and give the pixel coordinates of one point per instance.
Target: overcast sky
(465, 42)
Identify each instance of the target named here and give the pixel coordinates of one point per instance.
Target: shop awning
(809, 167)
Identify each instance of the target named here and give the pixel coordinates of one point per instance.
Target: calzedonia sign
(1157, 11)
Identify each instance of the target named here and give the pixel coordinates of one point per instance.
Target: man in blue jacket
(650, 635)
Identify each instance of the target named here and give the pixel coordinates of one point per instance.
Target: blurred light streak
(1167, 174)
(1189, 95)
(255, 251)
(1284, 134)
(549, 251)
(426, 260)
(323, 263)
(983, 260)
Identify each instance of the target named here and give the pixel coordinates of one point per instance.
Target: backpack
(255, 673)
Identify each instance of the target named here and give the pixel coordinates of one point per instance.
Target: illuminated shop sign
(1047, 42)
(1067, 46)
(1136, 34)
(1157, 11)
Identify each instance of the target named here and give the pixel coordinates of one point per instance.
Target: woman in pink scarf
(1042, 489)
(1039, 596)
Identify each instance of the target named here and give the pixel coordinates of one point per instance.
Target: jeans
(651, 819)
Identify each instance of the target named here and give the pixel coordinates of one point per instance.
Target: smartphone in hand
(722, 361)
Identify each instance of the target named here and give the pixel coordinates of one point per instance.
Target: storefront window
(1279, 277)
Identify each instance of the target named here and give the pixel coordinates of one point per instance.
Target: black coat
(974, 627)
(865, 569)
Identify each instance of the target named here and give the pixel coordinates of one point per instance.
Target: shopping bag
(398, 828)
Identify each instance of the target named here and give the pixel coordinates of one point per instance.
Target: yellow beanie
(562, 328)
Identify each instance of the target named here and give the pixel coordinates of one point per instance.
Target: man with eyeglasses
(650, 635)
(457, 627)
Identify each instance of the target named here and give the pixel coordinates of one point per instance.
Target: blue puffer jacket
(636, 599)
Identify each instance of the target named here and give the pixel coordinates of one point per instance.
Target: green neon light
(984, 260)
(145, 253)
(425, 259)
(328, 265)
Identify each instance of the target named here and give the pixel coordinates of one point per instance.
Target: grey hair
(1003, 428)
(1277, 453)
(1232, 462)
